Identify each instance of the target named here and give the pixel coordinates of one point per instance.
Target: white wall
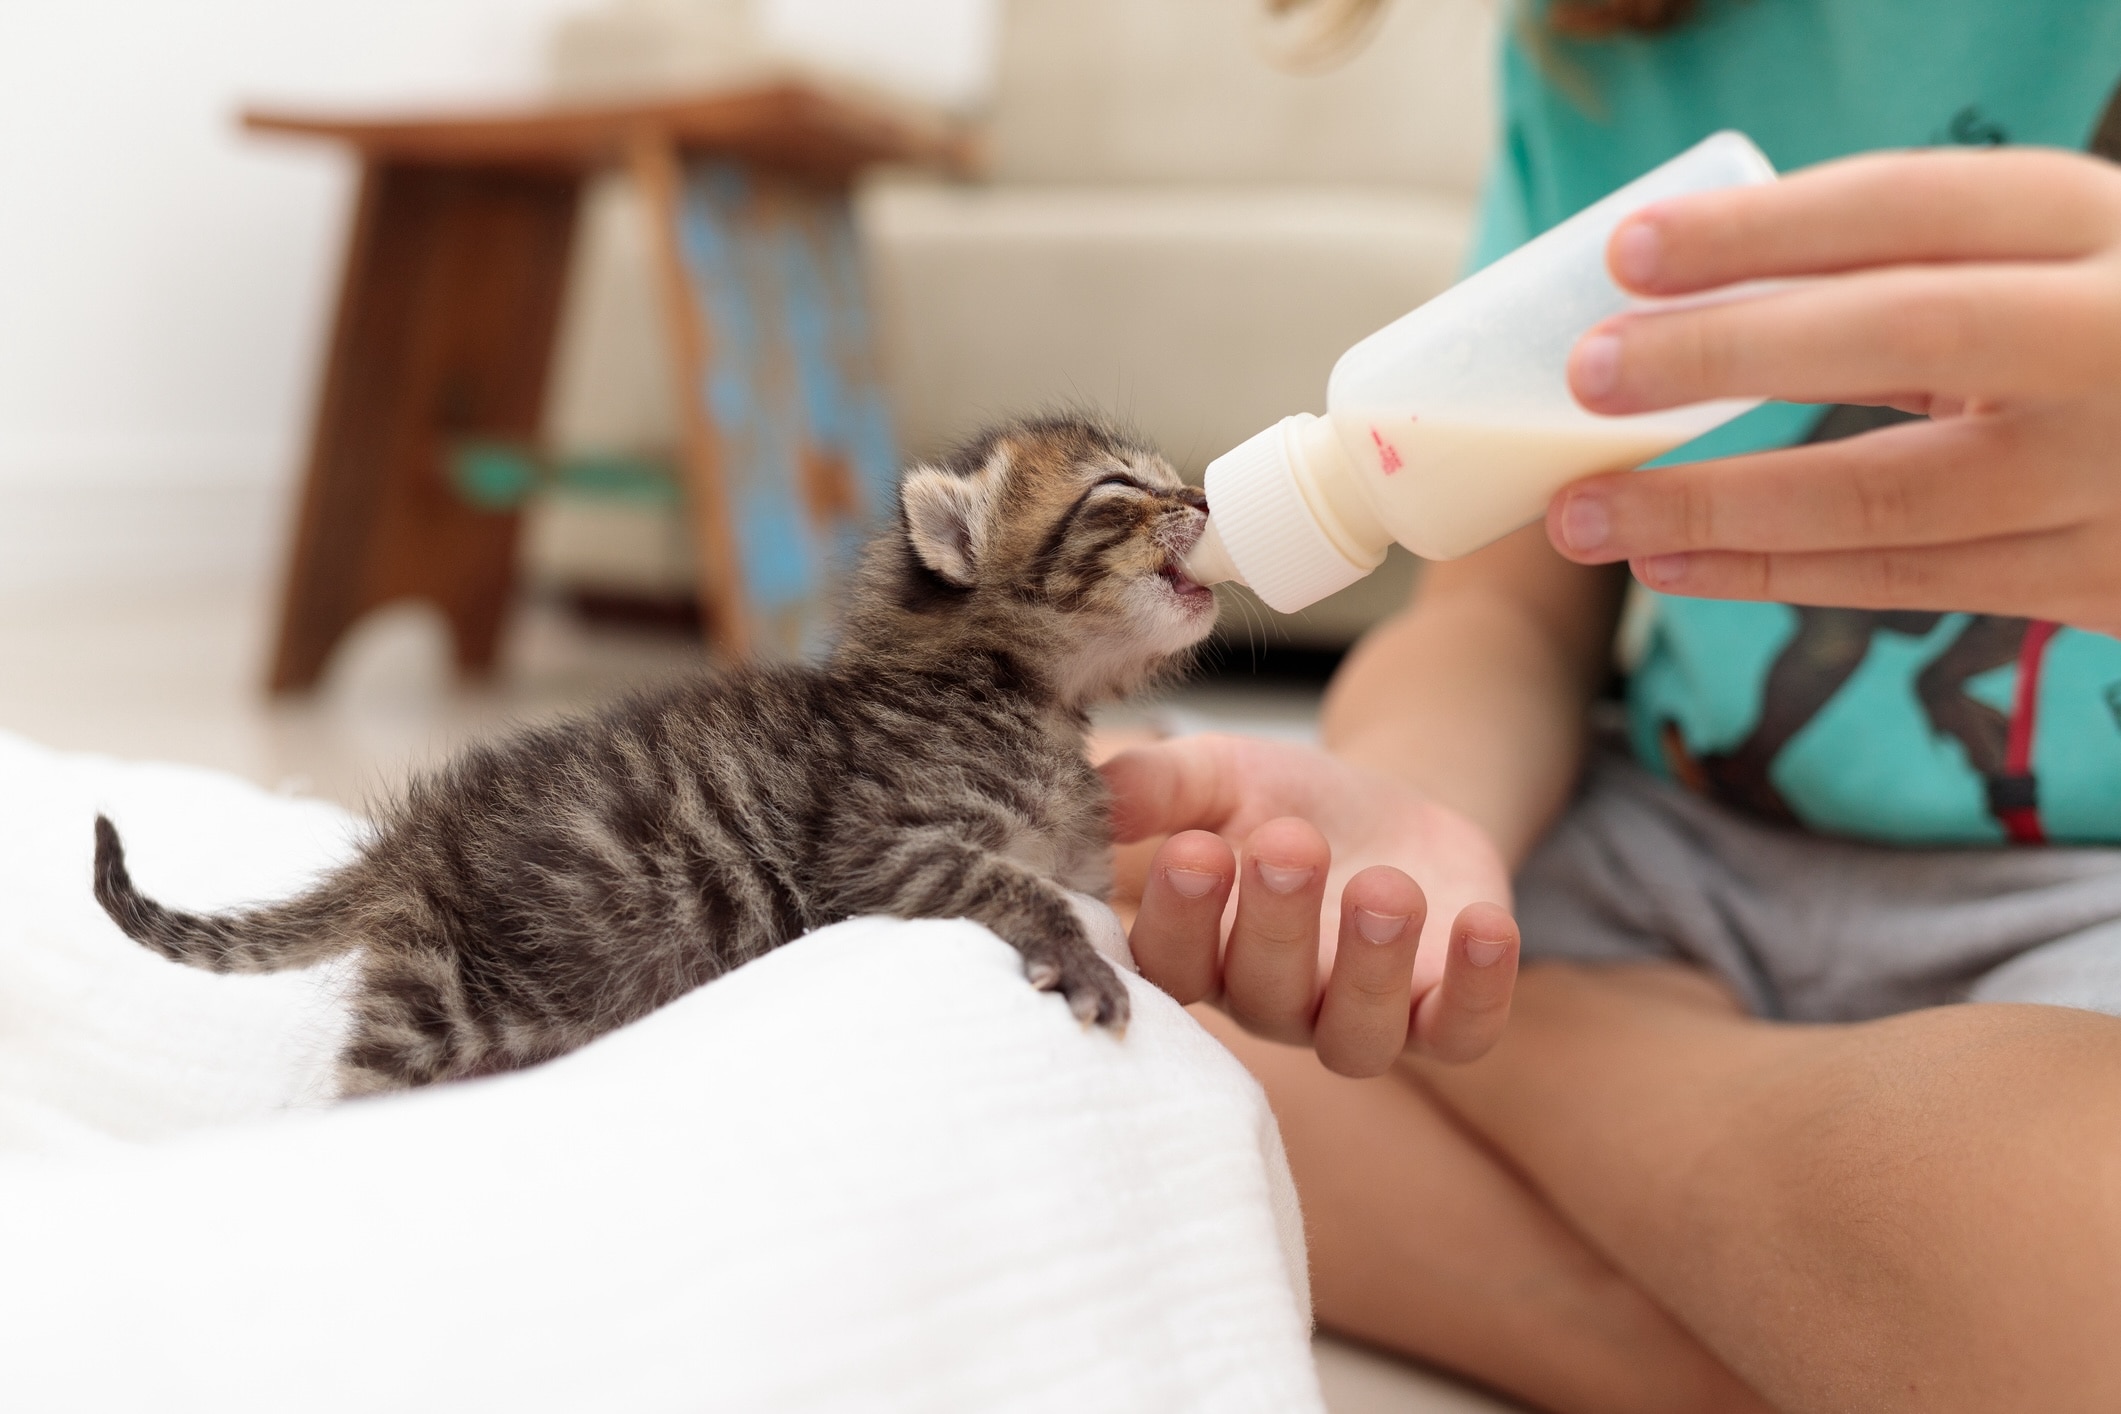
(940, 50)
(165, 280)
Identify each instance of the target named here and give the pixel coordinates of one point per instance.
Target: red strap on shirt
(2022, 822)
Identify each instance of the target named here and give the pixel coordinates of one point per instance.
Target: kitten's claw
(1101, 1007)
(1095, 994)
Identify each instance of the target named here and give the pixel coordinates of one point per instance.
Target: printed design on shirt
(2106, 133)
(1825, 652)
(1970, 127)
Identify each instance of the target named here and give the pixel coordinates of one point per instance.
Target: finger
(1367, 1007)
(1879, 209)
(1178, 931)
(1130, 874)
(1187, 784)
(1108, 742)
(1978, 331)
(1270, 969)
(2061, 576)
(1463, 1015)
(1922, 483)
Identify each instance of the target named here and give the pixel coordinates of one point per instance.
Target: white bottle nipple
(1209, 561)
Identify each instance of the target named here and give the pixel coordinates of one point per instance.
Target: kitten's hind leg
(358, 1078)
(411, 1026)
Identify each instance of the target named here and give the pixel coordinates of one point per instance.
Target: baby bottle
(1453, 425)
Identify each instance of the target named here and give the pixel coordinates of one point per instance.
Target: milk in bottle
(1454, 425)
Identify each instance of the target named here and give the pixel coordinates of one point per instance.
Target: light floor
(175, 675)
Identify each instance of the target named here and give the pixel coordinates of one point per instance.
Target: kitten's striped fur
(544, 889)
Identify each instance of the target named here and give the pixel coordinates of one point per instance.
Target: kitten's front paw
(1094, 992)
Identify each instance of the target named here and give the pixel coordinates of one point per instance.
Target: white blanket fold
(874, 1170)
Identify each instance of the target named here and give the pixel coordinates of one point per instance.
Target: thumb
(1187, 784)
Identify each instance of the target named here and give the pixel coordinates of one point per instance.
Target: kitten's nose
(1193, 496)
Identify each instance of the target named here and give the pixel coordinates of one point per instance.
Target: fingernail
(1379, 927)
(1637, 252)
(1594, 369)
(1586, 524)
(1192, 883)
(1661, 571)
(1486, 952)
(1283, 879)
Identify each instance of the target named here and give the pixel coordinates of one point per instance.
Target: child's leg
(1421, 1241)
(1919, 1212)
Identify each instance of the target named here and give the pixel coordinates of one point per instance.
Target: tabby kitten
(544, 889)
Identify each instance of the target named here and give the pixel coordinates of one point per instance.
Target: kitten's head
(1059, 541)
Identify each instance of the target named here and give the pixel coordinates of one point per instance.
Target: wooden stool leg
(788, 449)
(725, 617)
(445, 328)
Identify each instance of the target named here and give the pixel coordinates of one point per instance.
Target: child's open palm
(1321, 947)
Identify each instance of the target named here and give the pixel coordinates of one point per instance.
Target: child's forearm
(1478, 693)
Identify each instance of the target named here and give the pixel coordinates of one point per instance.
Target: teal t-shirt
(1896, 726)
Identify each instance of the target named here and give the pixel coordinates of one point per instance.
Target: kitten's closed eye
(1119, 481)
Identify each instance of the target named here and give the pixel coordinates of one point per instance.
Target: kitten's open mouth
(1182, 584)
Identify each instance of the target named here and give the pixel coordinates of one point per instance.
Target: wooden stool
(444, 334)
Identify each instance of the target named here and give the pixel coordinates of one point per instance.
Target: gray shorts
(1808, 928)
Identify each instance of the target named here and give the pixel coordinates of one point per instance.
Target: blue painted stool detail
(787, 381)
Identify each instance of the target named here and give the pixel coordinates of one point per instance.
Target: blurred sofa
(1169, 228)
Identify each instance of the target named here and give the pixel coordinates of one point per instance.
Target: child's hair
(1329, 30)
(1592, 18)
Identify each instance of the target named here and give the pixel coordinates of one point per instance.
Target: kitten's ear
(947, 518)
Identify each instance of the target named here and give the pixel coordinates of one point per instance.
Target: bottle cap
(1256, 505)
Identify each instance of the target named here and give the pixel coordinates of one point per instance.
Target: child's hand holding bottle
(1983, 288)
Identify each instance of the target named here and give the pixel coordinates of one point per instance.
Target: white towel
(873, 1170)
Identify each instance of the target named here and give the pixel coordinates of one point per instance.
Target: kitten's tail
(297, 933)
